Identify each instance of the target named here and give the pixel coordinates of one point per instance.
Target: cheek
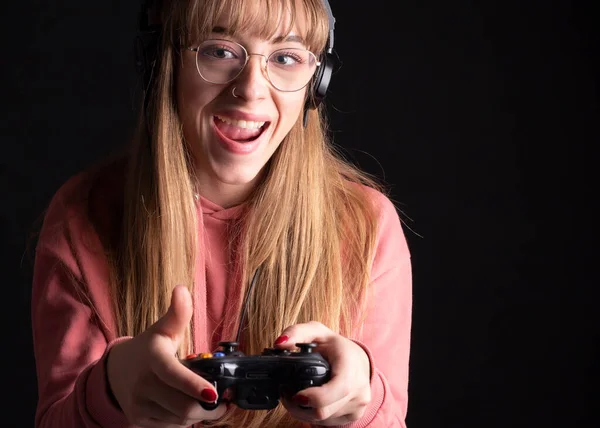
(193, 94)
(291, 108)
(185, 98)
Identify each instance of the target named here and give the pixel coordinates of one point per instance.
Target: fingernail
(301, 399)
(209, 395)
(281, 339)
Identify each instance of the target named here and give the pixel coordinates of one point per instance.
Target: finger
(174, 374)
(342, 417)
(152, 414)
(337, 389)
(323, 416)
(173, 324)
(178, 403)
(305, 412)
(303, 333)
(155, 415)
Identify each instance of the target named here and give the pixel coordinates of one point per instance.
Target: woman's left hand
(345, 397)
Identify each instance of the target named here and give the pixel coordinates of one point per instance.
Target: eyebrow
(279, 39)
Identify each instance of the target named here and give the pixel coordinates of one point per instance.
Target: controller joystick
(230, 348)
(257, 382)
(306, 348)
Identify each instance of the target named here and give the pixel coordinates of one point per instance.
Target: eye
(219, 50)
(221, 53)
(287, 58)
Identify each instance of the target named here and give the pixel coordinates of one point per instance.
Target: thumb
(174, 322)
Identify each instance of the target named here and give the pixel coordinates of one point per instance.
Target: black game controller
(257, 382)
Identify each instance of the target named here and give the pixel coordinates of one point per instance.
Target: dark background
(480, 115)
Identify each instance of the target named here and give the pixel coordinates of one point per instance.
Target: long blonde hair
(320, 224)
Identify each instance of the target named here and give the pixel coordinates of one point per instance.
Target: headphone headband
(330, 39)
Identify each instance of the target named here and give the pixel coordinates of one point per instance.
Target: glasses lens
(220, 61)
(291, 69)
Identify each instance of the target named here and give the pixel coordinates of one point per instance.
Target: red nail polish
(281, 339)
(301, 399)
(209, 395)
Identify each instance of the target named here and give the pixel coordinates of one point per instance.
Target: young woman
(150, 257)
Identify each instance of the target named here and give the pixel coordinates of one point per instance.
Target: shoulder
(384, 207)
(391, 246)
(385, 211)
(87, 203)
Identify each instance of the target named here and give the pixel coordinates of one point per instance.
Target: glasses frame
(248, 55)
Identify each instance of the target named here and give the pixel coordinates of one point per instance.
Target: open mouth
(240, 131)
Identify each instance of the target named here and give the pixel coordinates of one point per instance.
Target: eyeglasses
(221, 61)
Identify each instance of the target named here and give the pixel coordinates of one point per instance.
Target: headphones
(322, 76)
(146, 49)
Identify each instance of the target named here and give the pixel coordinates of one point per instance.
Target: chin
(237, 178)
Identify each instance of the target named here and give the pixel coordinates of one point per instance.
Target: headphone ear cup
(321, 81)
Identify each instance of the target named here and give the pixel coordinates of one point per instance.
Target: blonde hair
(320, 224)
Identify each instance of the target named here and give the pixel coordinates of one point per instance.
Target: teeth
(242, 123)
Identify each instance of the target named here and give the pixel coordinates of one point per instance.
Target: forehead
(286, 26)
(263, 19)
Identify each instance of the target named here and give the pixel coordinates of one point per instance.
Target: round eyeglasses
(221, 61)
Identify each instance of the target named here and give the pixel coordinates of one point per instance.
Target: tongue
(235, 132)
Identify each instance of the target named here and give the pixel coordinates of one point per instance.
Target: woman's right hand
(149, 382)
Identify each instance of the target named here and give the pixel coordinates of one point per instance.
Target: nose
(253, 83)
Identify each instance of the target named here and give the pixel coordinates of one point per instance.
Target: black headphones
(322, 76)
(146, 49)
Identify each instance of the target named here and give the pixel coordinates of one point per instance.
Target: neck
(223, 194)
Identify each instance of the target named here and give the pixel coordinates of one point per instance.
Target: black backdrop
(480, 116)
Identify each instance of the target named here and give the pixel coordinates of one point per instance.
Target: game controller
(257, 382)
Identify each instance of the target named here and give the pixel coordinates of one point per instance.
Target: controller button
(218, 354)
(205, 355)
(191, 356)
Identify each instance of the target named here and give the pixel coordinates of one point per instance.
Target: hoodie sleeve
(385, 336)
(71, 334)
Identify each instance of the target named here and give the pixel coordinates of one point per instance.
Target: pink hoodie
(71, 339)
